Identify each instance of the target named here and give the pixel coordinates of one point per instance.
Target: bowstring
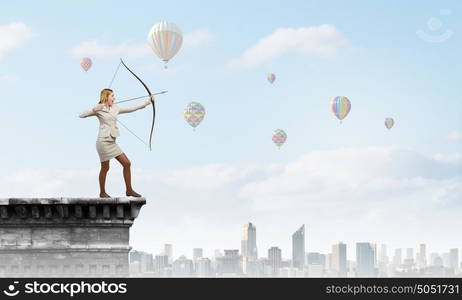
(131, 132)
(115, 73)
(120, 122)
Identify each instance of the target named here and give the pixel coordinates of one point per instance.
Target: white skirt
(107, 148)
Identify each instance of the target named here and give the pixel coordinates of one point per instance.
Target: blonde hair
(104, 95)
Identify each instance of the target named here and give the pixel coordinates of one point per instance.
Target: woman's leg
(125, 162)
(102, 179)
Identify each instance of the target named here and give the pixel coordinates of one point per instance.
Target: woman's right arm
(91, 111)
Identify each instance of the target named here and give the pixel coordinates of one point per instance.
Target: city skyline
(371, 260)
(365, 251)
(344, 249)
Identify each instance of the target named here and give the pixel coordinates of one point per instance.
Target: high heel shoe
(133, 194)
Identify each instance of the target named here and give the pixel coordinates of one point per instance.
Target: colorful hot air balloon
(194, 113)
(340, 106)
(389, 122)
(165, 40)
(85, 63)
(271, 78)
(279, 137)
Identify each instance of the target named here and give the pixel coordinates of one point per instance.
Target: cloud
(197, 38)
(449, 158)
(207, 178)
(9, 78)
(13, 36)
(97, 49)
(454, 136)
(394, 195)
(353, 177)
(323, 40)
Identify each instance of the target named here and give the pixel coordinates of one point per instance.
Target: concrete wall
(66, 237)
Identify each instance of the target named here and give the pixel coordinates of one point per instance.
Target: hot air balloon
(279, 137)
(271, 78)
(165, 40)
(194, 113)
(389, 122)
(340, 106)
(85, 63)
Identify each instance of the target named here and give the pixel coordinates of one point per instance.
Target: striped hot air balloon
(389, 122)
(340, 107)
(165, 39)
(271, 78)
(279, 137)
(194, 113)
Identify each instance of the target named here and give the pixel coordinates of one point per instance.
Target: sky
(351, 182)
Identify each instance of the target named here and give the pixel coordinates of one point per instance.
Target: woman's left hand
(149, 101)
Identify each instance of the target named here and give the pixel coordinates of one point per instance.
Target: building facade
(298, 248)
(66, 237)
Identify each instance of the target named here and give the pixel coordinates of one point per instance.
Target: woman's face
(110, 99)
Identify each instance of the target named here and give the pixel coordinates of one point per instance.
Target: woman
(107, 112)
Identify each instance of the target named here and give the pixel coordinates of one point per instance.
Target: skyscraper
(182, 267)
(339, 260)
(435, 258)
(141, 262)
(383, 257)
(248, 245)
(228, 265)
(315, 258)
(410, 253)
(168, 250)
(161, 264)
(454, 259)
(422, 256)
(217, 253)
(197, 253)
(298, 248)
(398, 257)
(446, 260)
(275, 259)
(203, 267)
(249, 242)
(382, 261)
(365, 260)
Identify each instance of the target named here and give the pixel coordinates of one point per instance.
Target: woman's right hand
(98, 107)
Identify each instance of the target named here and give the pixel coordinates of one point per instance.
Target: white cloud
(96, 49)
(393, 195)
(12, 36)
(449, 158)
(454, 136)
(9, 78)
(209, 177)
(197, 38)
(353, 177)
(323, 40)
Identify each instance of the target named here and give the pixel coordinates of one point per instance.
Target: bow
(150, 95)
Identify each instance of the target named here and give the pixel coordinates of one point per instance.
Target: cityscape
(372, 260)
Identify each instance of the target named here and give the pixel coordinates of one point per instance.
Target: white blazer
(108, 118)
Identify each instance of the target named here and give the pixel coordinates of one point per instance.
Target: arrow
(163, 92)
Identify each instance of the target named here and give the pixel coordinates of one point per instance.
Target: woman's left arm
(124, 110)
